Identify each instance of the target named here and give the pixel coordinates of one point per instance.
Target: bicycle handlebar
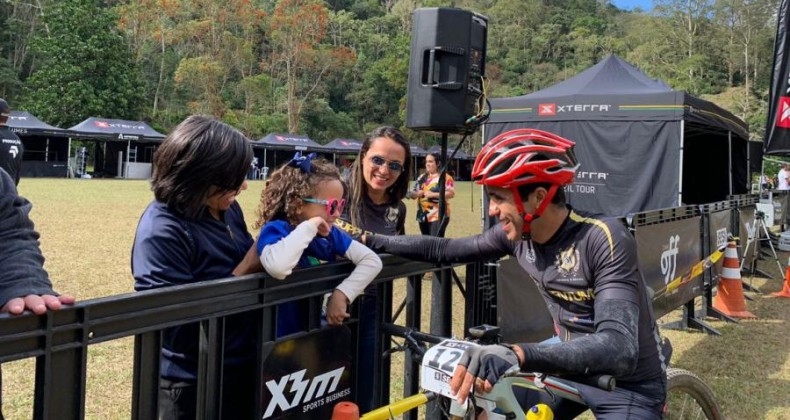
(603, 381)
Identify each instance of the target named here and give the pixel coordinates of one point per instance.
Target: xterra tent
(641, 144)
(280, 141)
(46, 147)
(123, 149)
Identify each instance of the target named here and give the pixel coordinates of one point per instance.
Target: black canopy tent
(462, 170)
(342, 147)
(46, 147)
(120, 157)
(641, 144)
(280, 141)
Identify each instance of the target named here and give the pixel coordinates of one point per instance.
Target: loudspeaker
(446, 69)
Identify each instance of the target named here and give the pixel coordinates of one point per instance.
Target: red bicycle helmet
(526, 156)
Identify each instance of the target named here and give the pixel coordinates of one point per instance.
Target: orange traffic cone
(729, 300)
(786, 289)
(345, 410)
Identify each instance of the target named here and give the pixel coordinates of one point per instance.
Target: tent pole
(680, 166)
(729, 158)
(68, 160)
(46, 151)
(126, 170)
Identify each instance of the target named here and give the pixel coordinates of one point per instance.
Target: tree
(86, 67)
(298, 28)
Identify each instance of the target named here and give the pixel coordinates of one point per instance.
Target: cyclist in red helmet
(586, 271)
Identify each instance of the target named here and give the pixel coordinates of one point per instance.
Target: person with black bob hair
(194, 231)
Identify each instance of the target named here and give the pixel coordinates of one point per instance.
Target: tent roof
(106, 128)
(344, 145)
(25, 123)
(617, 91)
(417, 150)
(287, 142)
(461, 155)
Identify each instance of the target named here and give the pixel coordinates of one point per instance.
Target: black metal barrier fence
(670, 243)
(59, 341)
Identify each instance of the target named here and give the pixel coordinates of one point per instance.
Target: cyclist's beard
(528, 218)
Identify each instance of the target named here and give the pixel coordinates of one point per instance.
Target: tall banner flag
(777, 132)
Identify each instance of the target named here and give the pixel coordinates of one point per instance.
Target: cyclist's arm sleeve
(613, 347)
(491, 244)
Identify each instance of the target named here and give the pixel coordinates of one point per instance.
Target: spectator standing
(783, 178)
(377, 183)
(427, 192)
(194, 231)
(297, 213)
(24, 284)
(11, 148)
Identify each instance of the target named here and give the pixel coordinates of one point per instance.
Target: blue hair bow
(305, 163)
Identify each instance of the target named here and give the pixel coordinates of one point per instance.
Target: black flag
(777, 131)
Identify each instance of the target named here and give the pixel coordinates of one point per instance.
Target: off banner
(777, 131)
(665, 252)
(718, 232)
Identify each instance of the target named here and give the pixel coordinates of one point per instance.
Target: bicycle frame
(502, 400)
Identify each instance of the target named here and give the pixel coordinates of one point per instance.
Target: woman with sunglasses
(377, 184)
(298, 209)
(426, 191)
(194, 231)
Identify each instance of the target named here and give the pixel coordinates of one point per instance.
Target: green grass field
(87, 228)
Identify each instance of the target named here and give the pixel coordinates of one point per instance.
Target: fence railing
(59, 340)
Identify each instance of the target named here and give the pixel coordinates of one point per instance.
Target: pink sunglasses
(333, 205)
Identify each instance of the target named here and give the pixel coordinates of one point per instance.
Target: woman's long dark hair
(358, 188)
(200, 157)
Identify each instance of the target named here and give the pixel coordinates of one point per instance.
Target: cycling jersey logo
(391, 214)
(568, 260)
(669, 259)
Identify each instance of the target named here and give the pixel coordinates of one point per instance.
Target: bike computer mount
(486, 334)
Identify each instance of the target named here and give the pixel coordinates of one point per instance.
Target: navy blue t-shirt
(171, 250)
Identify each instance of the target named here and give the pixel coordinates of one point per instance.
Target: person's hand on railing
(38, 304)
(337, 308)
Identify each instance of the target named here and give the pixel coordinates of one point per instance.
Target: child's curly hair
(281, 198)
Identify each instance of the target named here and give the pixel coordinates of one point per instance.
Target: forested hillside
(337, 68)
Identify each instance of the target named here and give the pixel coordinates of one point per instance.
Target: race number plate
(439, 363)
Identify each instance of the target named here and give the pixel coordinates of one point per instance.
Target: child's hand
(323, 227)
(337, 308)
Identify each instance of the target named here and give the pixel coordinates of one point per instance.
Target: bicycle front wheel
(688, 397)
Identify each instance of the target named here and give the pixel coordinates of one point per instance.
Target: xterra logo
(783, 113)
(302, 390)
(554, 109)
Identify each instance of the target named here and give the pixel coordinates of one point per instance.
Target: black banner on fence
(777, 130)
(746, 234)
(666, 251)
(305, 377)
(718, 231)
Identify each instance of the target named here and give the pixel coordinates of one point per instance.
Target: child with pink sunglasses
(298, 209)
